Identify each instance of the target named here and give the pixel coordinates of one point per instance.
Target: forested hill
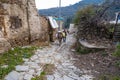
(69, 10)
(114, 7)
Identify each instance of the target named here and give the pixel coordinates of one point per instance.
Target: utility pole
(59, 14)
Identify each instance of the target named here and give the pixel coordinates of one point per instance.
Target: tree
(86, 12)
(90, 22)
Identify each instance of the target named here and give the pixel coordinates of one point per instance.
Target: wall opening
(16, 22)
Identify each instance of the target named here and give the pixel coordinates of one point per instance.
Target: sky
(45, 4)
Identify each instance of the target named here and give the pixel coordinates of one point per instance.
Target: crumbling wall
(15, 22)
(34, 20)
(45, 26)
(48, 33)
(19, 22)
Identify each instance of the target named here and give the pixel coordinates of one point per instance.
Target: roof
(59, 19)
(53, 22)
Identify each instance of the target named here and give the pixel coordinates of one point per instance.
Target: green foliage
(47, 70)
(111, 27)
(41, 77)
(117, 51)
(14, 57)
(82, 50)
(109, 77)
(43, 73)
(85, 13)
(117, 64)
(104, 54)
(116, 78)
(4, 1)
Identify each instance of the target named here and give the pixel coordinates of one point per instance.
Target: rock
(58, 57)
(29, 63)
(37, 61)
(21, 78)
(73, 50)
(74, 75)
(58, 77)
(50, 77)
(31, 71)
(39, 69)
(22, 68)
(92, 64)
(35, 66)
(1, 35)
(72, 67)
(38, 73)
(40, 55)
(26, 60)
(87, 77)
(68, 78)
(67, 64)
(22, 75)
(28, 46)
(4, 66)
(33, 58)
(32, 65)
(12, 76)
(28, 77)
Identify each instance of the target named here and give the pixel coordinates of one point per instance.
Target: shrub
(109, 77)
(82, 50)
(117, 51)
(117, 63)
(87, 12)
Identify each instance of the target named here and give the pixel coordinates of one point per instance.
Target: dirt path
(59, 56)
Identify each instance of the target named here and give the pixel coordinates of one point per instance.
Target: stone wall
(45, 26)
(48, 33)
(34, 21)
(19, 22)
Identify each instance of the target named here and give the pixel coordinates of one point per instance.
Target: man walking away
(64, 33)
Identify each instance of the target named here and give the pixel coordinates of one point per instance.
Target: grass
(103, 53)
(117, 54)
(4, 1)
(109, 77)
(14, 57)
(83, 50)
(117, 63)
(117, 51)
(48, 70)
(41, 77)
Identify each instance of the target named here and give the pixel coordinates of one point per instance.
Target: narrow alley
(59, 56)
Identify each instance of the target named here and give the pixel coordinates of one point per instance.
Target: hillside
(114, 7)
(69, 10)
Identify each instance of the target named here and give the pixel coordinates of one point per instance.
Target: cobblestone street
(59, 56)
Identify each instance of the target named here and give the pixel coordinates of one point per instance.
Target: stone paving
(53, 54)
